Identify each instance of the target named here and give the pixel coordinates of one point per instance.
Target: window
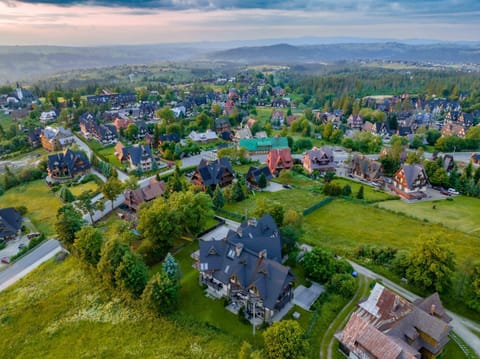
(231, 254)
(203, 266)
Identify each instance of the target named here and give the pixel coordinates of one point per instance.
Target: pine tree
(360, 193)
(218, 198)
(262, 181)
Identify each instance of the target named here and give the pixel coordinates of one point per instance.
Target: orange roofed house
(279, 159)
(387, 326)
(410, 181)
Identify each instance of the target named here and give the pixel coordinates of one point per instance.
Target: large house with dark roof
(213, 173)
(410, 181)
(91, 128)
(139, 157)
(10, 223)
(387, 326)
(254, 174)
(319, 159)
(67, 164)
(246, 267)
(363, 167)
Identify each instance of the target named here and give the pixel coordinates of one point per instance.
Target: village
(276, 173)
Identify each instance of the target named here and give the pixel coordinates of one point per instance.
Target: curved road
(29, 262)
(462, 326)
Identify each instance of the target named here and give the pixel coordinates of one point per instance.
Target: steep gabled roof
(256, 173)
(412, 172)
(212, 172)
(10, 222)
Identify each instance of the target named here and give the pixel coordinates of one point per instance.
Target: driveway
(304, 297)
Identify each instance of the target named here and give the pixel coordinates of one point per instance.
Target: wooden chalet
(387, 326)
(135, 197)
(279, 159)
(410, 181)
(211, 174)
(319, 159)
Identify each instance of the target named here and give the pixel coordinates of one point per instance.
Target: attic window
(203, 266)
(212, 251)
(227, 268)
(250, 235)
(231, 254)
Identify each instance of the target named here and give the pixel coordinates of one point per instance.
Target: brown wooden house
(319, 159)
(410, 181)
(211, 174)
(387, 326)
(279, 159)
(135, 197)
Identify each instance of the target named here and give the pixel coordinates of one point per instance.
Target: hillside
(389, 51)
(62, 311)
(34, 62)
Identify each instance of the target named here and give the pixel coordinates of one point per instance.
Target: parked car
(453, 191)
(287, 186)
(21, 245)
(5, 260)
(33, 235)
(445, 192)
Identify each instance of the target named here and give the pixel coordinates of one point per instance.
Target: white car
(453, 191)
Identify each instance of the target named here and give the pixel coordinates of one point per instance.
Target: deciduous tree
(284, 339)
(88, 244)
(69, 221)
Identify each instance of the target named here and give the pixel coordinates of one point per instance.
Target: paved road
(28, 263)
(462, 326)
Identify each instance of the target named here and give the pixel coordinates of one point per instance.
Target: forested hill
(283, 53)
(33, 62)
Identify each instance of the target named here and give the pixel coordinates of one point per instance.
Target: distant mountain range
(285, 53)
(33, 62)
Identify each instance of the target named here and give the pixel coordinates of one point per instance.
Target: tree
(473, 289)
(69, 221)
(276, 210)
(319, 265)
(132, 274)
(65, 195)
(347, 190)
(431, 263)
(88, 244)
(159, 224)
(293, 218)
(176, 182)
(171, 267)
(238, 192)
(161, 294)
(193, 209)
(262, 181)
(360, 193)
(112, 189)
(343, 284)
(111, 256)
(218, 198)
(290, 238)
(284, 339)
(131, 183)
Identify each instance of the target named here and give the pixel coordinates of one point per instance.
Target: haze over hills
(284, 53)
(34, 62)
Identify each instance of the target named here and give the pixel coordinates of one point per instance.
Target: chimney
(252, 222)
(432, 309)
(238, 249)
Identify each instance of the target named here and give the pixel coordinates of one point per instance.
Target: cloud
(375, 6)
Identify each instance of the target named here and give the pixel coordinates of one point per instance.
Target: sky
(117, 22)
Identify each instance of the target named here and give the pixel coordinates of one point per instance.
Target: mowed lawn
(297, 199)
(462, 213)
(42, 204)
(79, 189)
(62, 310)
(343, 226)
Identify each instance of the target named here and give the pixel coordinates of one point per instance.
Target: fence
(318, 205)
(235, 216)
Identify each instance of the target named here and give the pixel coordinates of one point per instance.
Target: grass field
(42, 205)
(461, 213)
(62, 311)
(297, 199)
(343, 226)
(79, 189)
